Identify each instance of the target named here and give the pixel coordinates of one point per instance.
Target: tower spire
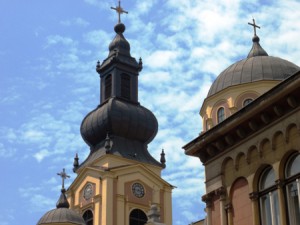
(130, 125)
(119, 10)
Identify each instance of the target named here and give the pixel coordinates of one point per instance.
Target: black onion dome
(119, 118)
(256, 67)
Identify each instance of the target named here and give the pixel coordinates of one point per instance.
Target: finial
(256, 49)
(140, 64)
(119, 10)
(63, 176)
(75, 163)
(162, 158)
(62, 201)
(107, 144)
(98, 66)
(254, 26)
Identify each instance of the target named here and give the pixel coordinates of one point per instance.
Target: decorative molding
(253, 125)
(229, 139)
(265, 117)
(211, 150)
(240, 132)
(220, 145)
(291, 100)
(278, 110)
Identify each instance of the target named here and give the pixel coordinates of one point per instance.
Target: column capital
(221, 193)
(253, 196)
(208, 199)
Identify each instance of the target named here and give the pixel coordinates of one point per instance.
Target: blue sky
(48, 54)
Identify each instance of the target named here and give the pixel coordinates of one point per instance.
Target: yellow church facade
(108, 190)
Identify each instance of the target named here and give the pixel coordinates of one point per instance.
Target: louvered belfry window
(108, 82)
(125, 86)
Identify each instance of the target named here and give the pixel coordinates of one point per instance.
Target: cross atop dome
(119, 10)
(63, 176)
(254, 26)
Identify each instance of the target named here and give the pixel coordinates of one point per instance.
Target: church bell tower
(119, 180)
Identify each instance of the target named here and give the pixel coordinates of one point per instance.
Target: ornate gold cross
(119, 10)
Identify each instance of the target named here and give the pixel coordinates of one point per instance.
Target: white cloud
(75, 21)
(39, 156)
(98, 3)
(6, 152)
(160, 58)
(58, 39)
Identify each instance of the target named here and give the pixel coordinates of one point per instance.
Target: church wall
(271, 146)
(215, 212)
(241, 204)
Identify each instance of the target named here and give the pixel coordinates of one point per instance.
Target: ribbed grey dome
(61, 215)
(119, 118)
(256, 67)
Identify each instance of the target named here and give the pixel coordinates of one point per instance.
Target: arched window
(268, 198)
(107, 90)
(292, 175)
(221, 114)
(88, 217)
(137, 217)
(247, 101)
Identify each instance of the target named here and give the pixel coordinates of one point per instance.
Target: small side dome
(61, 215)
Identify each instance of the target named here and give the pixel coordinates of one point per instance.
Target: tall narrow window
(269, 205)
(137, 217)
(221, 114)
(88, 217)
(292, 173)
(107, 87)
(247, 101)
(125, 86)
